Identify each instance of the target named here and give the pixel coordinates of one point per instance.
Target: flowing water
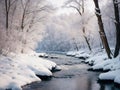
(73, 76)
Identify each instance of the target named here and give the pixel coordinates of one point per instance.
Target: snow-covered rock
(71, 53)
(78, 54)
(111, 75)
(82, 55)
(41, 55)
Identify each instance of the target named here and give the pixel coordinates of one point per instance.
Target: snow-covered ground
(114, 66)
(100, 61)
(22, 69)
(19, 70)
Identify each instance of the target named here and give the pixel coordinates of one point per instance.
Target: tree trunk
(76, 46)
(87, 41)
(6, 10)
(117, 24)
(101, 29)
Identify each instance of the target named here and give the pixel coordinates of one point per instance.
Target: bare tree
(8, 4)
(101, 29)
(7, 8)
(31, 16)
(25, 7)
(80, 8)
(75, 43)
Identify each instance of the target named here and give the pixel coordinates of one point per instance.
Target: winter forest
(59, 44)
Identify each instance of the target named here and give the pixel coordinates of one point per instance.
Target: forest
(36, 35)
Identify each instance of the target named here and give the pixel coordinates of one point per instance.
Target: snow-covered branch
(97, 13)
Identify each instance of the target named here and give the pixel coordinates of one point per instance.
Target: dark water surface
(74, 76)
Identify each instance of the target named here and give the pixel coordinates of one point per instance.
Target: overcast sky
(59, 4)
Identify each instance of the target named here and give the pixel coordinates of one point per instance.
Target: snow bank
(96, 58)
(101, 64)
(100, 61)
(79, 54)
(84, 55)
(18, 70)
(71, 53)
(113, 65)
(109, 75)
(109, 64)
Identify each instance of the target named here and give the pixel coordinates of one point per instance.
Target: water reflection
(76, 83)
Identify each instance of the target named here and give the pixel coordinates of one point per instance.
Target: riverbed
(73, 76)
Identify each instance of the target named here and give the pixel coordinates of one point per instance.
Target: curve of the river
(73, 76)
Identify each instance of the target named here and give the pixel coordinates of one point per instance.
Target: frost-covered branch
(76, 9)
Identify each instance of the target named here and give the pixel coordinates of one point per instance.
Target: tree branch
(76, 9)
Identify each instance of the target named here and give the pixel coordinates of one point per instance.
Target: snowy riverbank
(99, 61)
(22, 69)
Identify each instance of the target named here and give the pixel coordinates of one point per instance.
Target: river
(73, 76)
